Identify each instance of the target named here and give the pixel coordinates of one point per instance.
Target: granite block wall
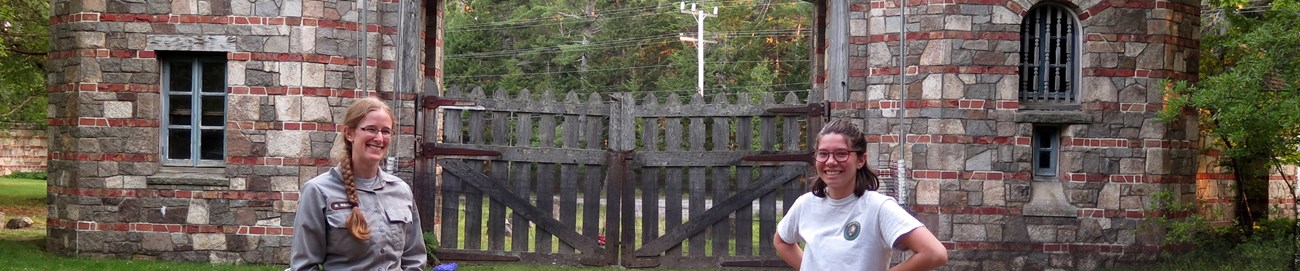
(968, 135)
(291, 68)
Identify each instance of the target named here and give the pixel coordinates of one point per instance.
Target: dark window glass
(178, 143)
(180, 76)
(214, 77)
(214, 110)
(181, 110)
(213, 142)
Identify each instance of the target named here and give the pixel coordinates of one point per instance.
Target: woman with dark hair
(843, 223)
(355, 216)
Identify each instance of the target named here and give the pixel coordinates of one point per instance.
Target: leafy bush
(431, 243)
(29, 175)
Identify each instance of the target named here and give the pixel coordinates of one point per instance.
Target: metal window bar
(1047, 56)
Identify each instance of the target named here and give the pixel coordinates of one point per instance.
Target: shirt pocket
(398, 218)
(338, 218)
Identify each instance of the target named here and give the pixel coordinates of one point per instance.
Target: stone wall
(968, 135)
(292, 66)
(24, 150)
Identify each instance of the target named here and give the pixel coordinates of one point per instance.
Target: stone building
(1030, 128)
(183, 129)
(24, 150)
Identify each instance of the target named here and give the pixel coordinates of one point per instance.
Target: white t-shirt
(852, 233)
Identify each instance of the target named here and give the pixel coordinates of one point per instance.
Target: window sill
(187, 178)
(1053, 117)
(1047, 198)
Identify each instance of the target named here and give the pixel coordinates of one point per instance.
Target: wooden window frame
(195, 125)
(1051, 151)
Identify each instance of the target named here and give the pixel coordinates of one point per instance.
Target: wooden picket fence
(604, 179)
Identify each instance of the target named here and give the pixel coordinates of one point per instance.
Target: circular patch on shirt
(851, 230)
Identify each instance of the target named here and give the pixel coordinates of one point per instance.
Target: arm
(414, 256)
(929, 253)
(309, 226)
(790, 253)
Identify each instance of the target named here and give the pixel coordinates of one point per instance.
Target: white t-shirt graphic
(852, 233)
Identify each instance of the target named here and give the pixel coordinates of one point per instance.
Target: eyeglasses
(377, 132)
(840, 155)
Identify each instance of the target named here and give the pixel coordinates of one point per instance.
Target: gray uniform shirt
(321, 236)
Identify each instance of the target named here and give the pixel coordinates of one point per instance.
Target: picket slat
(686, 160)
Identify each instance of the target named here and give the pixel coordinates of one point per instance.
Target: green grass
(1268, 248)
(25, 249)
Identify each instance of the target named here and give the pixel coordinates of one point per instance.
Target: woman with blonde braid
(355, 216)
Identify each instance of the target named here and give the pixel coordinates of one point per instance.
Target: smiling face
(840, 176)
(369, 140)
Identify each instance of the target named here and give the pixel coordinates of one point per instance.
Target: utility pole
(699, 41)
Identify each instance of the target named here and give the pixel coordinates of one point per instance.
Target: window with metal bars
(194, 110)
(1048, 50)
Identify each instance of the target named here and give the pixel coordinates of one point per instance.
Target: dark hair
(866, 178)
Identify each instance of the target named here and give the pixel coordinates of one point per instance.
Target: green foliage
(591, 46)
(29, 175)
(1267, 247)
(24, 38)
(1247, 94)
(430, 244)
(1193, 229)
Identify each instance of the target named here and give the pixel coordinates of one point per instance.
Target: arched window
(1048, 55)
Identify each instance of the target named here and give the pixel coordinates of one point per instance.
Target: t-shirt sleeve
(895, 222)
(788, 228)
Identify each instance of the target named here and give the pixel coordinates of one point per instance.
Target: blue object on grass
(446, 267)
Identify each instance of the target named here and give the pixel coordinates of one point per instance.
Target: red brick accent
(1125, 178)
(933, 209)
(169, 228)
(102, 122)
(960, 139)
(101, 53)
(232, 20)
(1168, 144)
(117, 157)
(1138, 73)
(938, 35)
(278, 161)
(1099, 142)
(103, 87)
(167, 193)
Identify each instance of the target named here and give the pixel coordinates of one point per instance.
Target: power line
(530, 22)
(621, 68)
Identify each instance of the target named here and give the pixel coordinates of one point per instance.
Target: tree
(626, 46)
(1247, 95)
(24, 40)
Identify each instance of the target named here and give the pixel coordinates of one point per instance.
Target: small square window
(194, 110)
(1046, 144)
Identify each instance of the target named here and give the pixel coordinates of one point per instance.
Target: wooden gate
(613, 179)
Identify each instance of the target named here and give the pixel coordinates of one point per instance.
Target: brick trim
(228, 20)
(959, 139)
(103, 87)
(169, 228)
(102, 122)
(278, 161)
(167, 193)
(116, 157)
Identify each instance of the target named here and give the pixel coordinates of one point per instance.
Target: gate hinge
(813, 109)
(434, 101)
(794, 157)
(429, 150)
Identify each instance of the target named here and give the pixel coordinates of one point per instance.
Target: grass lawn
(25, 249)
